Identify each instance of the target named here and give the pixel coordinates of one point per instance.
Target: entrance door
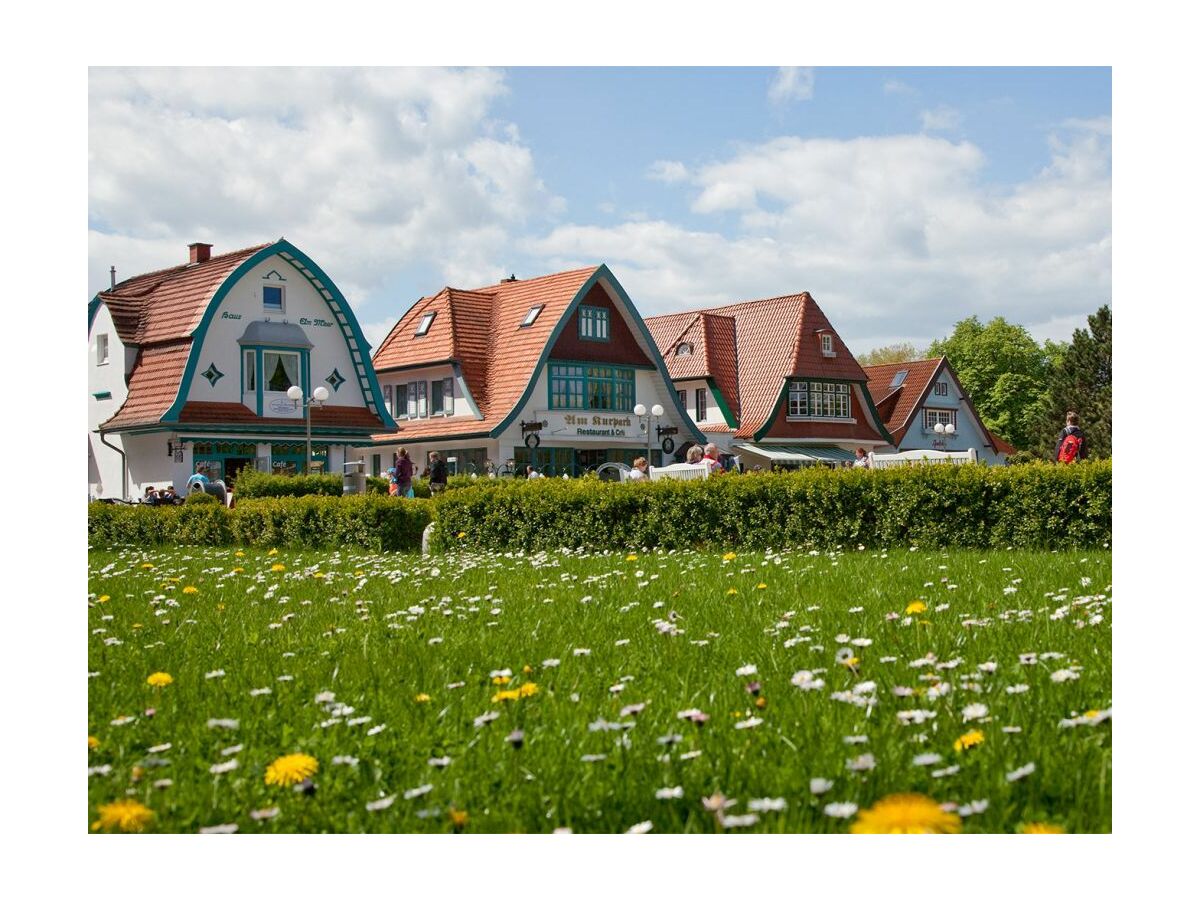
(234, 465)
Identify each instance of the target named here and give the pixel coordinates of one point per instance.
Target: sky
(902, 200)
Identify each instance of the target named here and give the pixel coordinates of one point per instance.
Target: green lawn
(381, 666)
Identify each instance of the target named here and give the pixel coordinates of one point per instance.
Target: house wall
(462, 408)
(968, 432)
(104, 464)
(621, 348)
(860, 432)
(302, 306)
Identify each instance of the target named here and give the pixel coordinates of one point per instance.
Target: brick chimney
(198, 253)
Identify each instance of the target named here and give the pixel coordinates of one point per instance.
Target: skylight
(426, 321)
(531, 316)
(898, 378)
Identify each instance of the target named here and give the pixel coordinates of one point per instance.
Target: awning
(798, 453)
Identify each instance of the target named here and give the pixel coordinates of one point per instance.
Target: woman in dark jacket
(437, 473)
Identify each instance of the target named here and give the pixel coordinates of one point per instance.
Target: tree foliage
(1004, 370)
(892, 353)
(1081, 380)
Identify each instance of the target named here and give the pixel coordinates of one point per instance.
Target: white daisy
(1018, 774)
(841, 810)
(819, 785)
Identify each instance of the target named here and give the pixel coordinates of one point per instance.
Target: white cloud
(943, 118)
(791, 83)
(367, 170)
(893, 235)
(667, 170)
(895, 86)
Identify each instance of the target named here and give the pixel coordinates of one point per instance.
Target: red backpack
(1069, 449)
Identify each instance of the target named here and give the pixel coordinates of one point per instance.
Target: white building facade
(189, 370)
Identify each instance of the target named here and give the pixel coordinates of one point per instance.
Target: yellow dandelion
(239, 554)
(458, 817)
(238, 570)
(123, 815)
(527, 669)
(159, 680)
(915, 608)
(501, 679)
(103, 598)
(729, 556)
(632, 557)
(731, 592)
(136, 625)
(1041, 828)
(906, 814)
(422, 698)
(528, 689)
(968, 740)
(761, 702)
(461, 535)
(220, 606)
(93, 742)
(501, 696)
(278, 567)
(358, 573)
(761, 586)
(272, 552)
(191, 590)
(147, 565)
(291, 769)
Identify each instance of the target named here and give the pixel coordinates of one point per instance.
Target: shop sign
(319, 323)
(588, 425)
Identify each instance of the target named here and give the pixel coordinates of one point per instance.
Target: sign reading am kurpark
(588, 425)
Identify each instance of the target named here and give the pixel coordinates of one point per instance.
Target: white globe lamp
(640, 409)
(939, 428)
(295, 393)
(321, 394)
(657, 409)
(949, 428)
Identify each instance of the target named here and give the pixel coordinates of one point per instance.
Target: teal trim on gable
(93, 308)
(338, 306)
(602, 271)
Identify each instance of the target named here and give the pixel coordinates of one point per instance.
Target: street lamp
(656, 412)
(319, 396)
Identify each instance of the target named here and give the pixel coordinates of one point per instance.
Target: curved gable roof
(162, 313)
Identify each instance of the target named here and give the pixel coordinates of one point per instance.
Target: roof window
(531, 316)
(426, 321)
(898, 378)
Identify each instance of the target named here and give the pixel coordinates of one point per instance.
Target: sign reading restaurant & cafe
(588, 425)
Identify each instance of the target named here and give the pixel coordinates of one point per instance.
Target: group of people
(159, 497)
(400, 475)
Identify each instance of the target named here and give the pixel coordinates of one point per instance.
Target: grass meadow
(672, 692)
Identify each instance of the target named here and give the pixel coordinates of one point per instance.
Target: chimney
(112, 275)
(198, 253)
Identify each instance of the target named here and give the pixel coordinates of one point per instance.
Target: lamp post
(656, 412)
(319, 396)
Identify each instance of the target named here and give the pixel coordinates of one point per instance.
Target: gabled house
(771, 382)
(915, 397)
(189, 368)
(540, 371)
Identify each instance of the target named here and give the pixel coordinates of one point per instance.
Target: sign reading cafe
(585, 425)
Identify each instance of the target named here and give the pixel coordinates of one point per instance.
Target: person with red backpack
(1072, 445)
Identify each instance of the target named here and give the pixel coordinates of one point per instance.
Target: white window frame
(941, 389)
(418, 400)
(701, 404)
(827, 344)
(933, 415)
(425, 324)
(531, 316)
(684, 349)
(102, 343)
(249, 371)
(387, 400)
(270, 310)
(823, 401)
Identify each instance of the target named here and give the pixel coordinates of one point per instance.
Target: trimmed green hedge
(263, 484)
(1034, 506)
(373, 523)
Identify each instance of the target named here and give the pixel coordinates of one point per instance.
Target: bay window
(818, 400)
(574, 386)
(280, 370)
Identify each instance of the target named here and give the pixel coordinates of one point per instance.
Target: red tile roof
(196, 412)
(157, 313)
(481, 330)
(768, 341)
(714, 351)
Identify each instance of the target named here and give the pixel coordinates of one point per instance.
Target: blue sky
(902, 199)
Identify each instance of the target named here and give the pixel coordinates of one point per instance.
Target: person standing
(404, 474)
(638, 472)
(1072, 445)
(861, 460)
(438, 473)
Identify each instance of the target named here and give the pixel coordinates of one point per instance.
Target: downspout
(124, 465)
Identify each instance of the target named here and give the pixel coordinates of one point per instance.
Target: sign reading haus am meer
(589, 425)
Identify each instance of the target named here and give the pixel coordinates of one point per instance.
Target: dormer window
(426, 321)
(827, 344)
(272, 298)
(531, 316)
(684, 349)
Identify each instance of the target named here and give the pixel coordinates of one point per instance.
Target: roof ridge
(113, 291)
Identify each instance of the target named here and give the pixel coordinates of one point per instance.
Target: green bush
(265, 484)
(369, 522)
(201, 499)
(1037, 506)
